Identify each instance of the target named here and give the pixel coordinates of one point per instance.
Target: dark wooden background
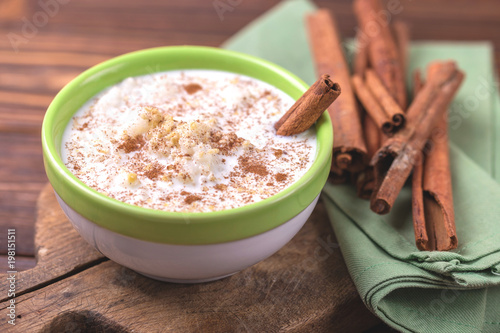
(39, 57)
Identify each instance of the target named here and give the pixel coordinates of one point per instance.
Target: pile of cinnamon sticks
(378, 139)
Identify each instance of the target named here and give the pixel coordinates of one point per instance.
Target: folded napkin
(411, 290)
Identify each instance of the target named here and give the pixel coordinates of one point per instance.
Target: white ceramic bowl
(186, 263)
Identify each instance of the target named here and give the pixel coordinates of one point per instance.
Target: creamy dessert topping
(192, 140)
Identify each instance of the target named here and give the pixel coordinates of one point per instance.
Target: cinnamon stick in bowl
(309, 107)
(432, 197)
(349, 150)
(394, 161)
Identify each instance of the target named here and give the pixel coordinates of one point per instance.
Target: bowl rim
(170, 227)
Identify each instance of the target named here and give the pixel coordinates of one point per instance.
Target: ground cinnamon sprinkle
(220, 187)
(84, 126)
(226, 142)
(278, 153)
(280, 177)
(153, 170)
(192, 88)
(192, 198)
(130, 144)
(250, 164)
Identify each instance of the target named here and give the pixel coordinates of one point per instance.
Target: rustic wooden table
(42, 47)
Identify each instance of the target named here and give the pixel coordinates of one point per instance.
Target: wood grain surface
(42, 47)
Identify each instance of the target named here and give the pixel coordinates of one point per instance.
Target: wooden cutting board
(305, 287)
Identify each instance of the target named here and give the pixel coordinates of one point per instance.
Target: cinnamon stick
(338, 176)
(372, 106)
(361, 56)
(383, 53)
(418, 82)
(309, 107)
(394, 161)
(389, 105)
(365, 182)
(402, 37)
(349, 150)
(432, 198)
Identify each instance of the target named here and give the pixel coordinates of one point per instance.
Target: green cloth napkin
(413, 291)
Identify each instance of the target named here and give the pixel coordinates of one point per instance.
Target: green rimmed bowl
(127, 233)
